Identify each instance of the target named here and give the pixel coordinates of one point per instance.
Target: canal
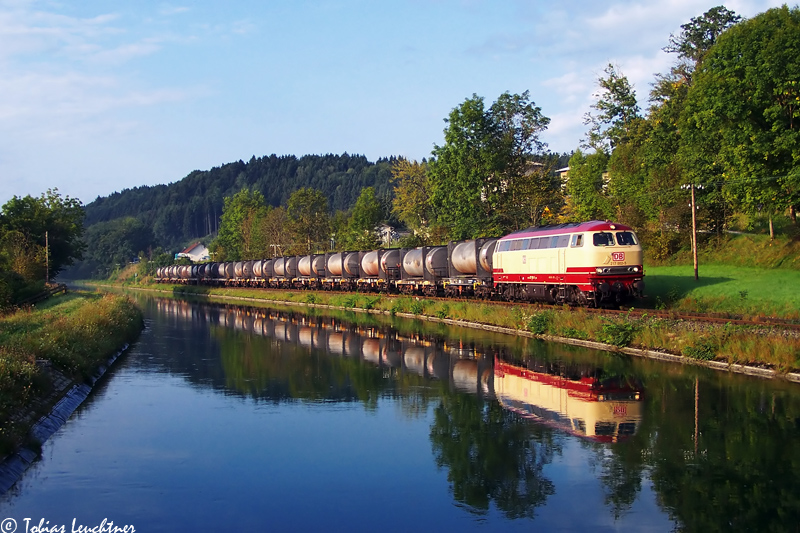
(226, 417)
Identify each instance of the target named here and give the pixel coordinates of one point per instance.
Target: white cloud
(125, 52)
(169, 10)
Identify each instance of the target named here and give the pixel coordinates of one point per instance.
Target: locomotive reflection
(576, 398)
(569, 395)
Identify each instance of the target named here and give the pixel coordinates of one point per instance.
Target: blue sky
(96, 97)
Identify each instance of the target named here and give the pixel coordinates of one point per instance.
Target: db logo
(618, 256)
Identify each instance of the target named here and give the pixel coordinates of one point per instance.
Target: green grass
(725, 288)
(75, 332)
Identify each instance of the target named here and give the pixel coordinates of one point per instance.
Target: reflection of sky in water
(579, 494)
(206, 425)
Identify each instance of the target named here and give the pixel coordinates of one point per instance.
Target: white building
(196, 252)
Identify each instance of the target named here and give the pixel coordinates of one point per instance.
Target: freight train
(595, 263)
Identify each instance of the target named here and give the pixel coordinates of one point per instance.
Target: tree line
(722, 121)
(39, 237)
(192, 207)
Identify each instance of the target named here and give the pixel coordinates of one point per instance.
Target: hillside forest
(723, 123)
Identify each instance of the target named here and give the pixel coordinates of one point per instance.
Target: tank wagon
(589, 263)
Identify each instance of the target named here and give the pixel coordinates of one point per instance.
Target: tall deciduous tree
(240, 231)
(484, 153)
(743, 111)
(616, 111)
(412, 204)
(48, 219)
(697, 37)
(308, 220)
(364, 219)
(587, 188)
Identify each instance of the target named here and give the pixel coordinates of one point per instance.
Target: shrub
(443, 311)
(370, 303)
(398, 306)
(704, 350)
(573, 333)
(417, 307)
(539, 323)
(619, 333)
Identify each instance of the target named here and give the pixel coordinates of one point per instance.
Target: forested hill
(191, 207)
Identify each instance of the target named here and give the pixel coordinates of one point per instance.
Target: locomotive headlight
(636, 269)
(599, 270)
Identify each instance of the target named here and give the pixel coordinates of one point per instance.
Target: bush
(704, 350)
(539, 323)
(398, 306)
(370, 303)
(619, 333)
(573, 333)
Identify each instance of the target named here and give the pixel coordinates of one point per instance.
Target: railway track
(709, 318)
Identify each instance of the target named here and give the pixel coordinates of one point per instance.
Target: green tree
(492, 456)
(48, 219)
(586, 187)
(411, 203)
(697, 37)
(114, 243)
(240, 231)
(534, 197)
(363, 221)
(743, 112)
(308, 220)
(274, 228)
(484, 154)
(22, 257)
(617, 110)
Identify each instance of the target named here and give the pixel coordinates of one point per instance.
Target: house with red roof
(196, 252)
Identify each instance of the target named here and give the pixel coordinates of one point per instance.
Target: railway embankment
(757, 349)
(50, 358)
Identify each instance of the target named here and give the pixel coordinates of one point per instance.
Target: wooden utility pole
(46, 258)
(694, 234)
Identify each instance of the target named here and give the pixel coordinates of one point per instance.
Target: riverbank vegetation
(762, 346)
(73, 333)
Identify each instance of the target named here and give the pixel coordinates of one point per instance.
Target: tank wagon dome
(571, 227)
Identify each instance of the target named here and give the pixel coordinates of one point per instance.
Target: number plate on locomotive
(618, 256)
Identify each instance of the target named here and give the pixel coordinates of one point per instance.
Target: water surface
(224, 417)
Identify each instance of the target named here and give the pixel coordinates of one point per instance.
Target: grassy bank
(74, 332)
(732, 289)
(758, 346)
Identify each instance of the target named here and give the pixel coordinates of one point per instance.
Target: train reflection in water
(467, 366)
(577, 398)
(562, 392)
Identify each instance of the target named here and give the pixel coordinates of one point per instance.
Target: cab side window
(577, 240)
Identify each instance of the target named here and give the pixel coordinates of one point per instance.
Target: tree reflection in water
(492, 455)
(719, 451)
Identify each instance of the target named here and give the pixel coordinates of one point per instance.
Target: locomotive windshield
(603, 239)
(626, 238)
